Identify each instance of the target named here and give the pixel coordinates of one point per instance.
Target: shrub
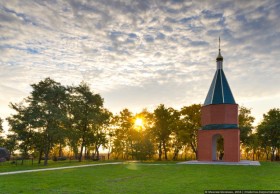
(4, 154)
(62, 158)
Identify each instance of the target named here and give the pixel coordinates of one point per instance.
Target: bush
(62, 158)
(4, 154)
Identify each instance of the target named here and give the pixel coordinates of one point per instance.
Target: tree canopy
(269, 131)
(56, 120)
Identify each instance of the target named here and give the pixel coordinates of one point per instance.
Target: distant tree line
(57, 121)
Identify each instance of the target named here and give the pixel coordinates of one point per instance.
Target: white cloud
(139, 52)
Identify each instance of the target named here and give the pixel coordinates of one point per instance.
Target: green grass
(142, 178)
(27, 165)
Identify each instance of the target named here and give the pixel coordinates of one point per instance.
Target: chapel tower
(219, 120)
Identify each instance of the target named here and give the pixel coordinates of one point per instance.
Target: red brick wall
(219, 114)
(231, 144)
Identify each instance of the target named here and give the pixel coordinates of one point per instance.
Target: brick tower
(219, 119)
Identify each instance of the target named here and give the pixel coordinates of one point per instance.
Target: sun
(138, 122)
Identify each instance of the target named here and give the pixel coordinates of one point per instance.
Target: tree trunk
(194, 150)
(272, 154)
(109, 151)
(60, 150)
(76, 152)
(81, 151)
(40, 155)
(47, 150)
(165, 151)
(85, 155)
(258, 155)
(159, 151)
(267, 154)
(97, 154)
(126, 151)
(175, 156)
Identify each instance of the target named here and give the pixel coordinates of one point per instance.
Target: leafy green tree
(123, 140)
(21, 127)
(245, 125)
(146, 145)
(41, 116)
(133, 140)
(1, 126)
(254, 144)
(99, 131)
(178, 136)
(162, 128)
(72, 135)
(191, 116)
(110, 135)
(47, 101)
(1, 132)
(269, 131)
(85, 111)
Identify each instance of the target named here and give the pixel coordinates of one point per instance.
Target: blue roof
(219, 92)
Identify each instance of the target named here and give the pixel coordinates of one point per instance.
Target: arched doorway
(217, 147)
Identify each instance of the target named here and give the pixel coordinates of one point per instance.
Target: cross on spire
(219, 43)
(219, 57)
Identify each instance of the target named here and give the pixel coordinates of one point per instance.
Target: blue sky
(140, 53)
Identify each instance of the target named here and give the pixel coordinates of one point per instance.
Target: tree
(1, 126)
(99, 130)
(86, 109)
(131, 139)
(254, 144)
(22, 129)
(162, 128)
(123, 134)
(177, 135)
(245, 125)
(41, 117)
(110, 135)
(191, 116)
(48, 102)
(147, 147)
(269, 131)
(4, 155)
(1, 131)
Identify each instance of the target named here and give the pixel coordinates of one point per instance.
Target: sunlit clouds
(139, 54)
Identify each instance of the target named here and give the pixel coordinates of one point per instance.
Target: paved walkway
(57, 168)
(242, 162)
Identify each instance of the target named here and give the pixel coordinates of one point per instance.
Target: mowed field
(154, 177)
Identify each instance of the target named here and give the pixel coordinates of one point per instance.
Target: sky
(140, 53)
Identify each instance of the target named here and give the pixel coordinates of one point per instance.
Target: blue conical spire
(219, 92)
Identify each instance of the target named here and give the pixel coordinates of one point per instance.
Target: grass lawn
(143, 178)
(27, 165)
